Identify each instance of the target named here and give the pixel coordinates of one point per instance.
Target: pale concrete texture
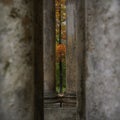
(16, 67)
(103, 60)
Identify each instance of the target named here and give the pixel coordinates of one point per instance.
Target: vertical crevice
(38, 60)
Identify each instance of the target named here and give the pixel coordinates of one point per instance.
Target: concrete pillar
(80, 58)
(103, 60)
(71, 54)
(49, 49)
(71, 49)
(16, 64)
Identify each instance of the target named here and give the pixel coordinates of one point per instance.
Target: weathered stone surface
(16, 67)
(103, 60)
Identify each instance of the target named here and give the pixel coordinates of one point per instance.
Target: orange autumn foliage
(60, 52)
(60, 21)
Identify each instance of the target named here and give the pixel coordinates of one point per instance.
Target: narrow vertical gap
(60, 42)
(60, 47)
(38, 60)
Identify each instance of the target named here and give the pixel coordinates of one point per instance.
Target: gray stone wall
(103, 60)
(16, 66)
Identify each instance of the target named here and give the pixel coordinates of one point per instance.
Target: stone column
(16, 64)
(103, 60)
(49, 49)
(71, 52)
(80, 58)
(71, 49)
